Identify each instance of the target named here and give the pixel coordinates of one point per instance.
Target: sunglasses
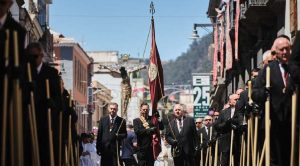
(198, 122)
(35, 56)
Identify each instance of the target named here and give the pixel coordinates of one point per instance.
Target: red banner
(156, 84)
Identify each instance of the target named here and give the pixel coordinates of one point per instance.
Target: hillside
(195, 60)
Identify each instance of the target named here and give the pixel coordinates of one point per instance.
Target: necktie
(285, 74)
(180, 125)
(111, 123)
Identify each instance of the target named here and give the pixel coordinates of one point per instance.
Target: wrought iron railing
(258, 2)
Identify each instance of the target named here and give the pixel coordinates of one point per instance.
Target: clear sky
(123, 25)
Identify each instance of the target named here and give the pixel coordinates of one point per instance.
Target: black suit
(280, 101)
(294, 61)
(223, 125)
(144, 141)
(41, 106)
(205, 142)
(187, 139)
(11, 25)
(68, 110)
(109, 140)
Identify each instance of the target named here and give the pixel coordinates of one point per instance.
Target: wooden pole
(210, 147)
(262, 154)
(11, 133)
(216, 153)
(206, 157)
(255, 139)
(267, 119)
(251, 136)
(294, 122)
(248, 141)
(18, 114)
(33, 118)
(231, 147)
(242, 150)
(35, 159)
(51, 152)
(5, 100)
(201, 151)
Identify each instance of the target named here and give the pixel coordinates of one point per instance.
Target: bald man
(280, 97)
(181, 134)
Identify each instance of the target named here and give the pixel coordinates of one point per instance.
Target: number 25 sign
(201, 91)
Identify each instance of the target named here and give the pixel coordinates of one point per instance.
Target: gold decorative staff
(5, 96)
(51, 153)
(294, 122)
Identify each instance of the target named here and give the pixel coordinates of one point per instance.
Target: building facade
(243, 31)
(75, 67)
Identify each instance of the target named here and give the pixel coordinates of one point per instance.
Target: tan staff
(216, 153)
(242, 156)
(17, 106)
(262, 154)
(248, 139)
(254, 152)
(51, 153)
(210, 147)
(32, 121)
(231, 148)
(5, 96)
(294, 122)
(201, 151)
(267, 118)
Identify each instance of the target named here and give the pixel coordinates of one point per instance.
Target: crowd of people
(230, 136)
(38, 117)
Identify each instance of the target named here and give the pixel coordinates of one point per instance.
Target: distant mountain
(195, 60)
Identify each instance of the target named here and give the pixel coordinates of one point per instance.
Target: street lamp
(195, 35)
